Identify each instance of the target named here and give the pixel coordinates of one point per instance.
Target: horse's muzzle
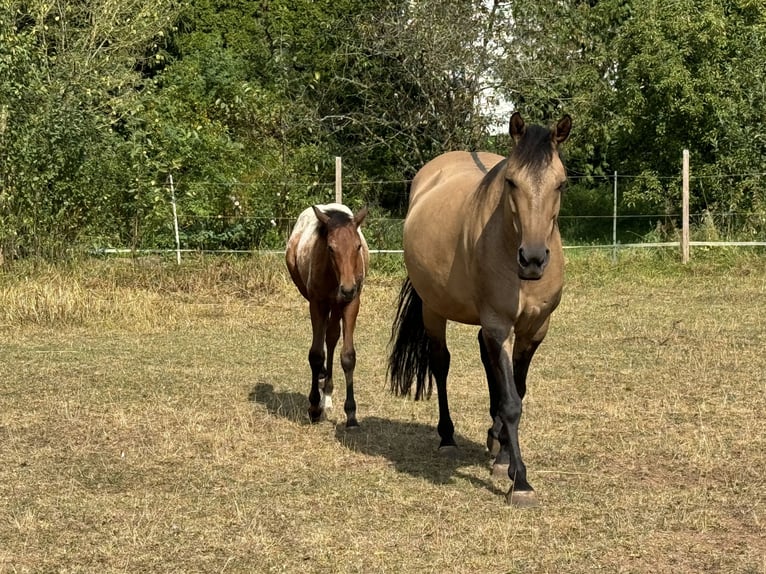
(532, 262)
(346, 294)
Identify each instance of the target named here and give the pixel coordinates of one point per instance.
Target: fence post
(175, 219)
(338, 180)
(685, 209)
(614, 222)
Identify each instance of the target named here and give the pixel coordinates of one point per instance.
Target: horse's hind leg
(319, 314)
(438, 362)
(348, 360)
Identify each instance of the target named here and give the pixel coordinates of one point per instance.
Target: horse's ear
(561, 132)
(517, 128)
(359, 216)
(321, 215)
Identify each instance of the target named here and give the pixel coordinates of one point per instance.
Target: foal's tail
(409, 346)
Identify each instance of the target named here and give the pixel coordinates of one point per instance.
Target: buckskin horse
(482, 247)
(327, 257)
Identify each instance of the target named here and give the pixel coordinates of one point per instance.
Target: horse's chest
(534, 309)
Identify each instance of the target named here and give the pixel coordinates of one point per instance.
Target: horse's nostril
(522, 260)
(528, 257)
(348, 293)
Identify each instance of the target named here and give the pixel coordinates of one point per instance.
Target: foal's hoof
(315, 414)
(448, 451)
(522, 498)
(500, 470)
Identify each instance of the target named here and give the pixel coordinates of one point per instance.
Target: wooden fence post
(614, 222)
(175, 218)
(685, 210)
(338, 180)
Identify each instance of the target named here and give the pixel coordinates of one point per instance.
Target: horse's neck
(488, 211)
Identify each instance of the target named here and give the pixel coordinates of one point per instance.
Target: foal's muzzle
(532, 261)
(347, 294)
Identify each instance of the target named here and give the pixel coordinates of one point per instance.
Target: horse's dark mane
(535, 149)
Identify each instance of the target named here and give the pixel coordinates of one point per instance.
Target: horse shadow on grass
(411, 447)
(290, 406)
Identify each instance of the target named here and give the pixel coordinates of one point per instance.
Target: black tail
(409, 346)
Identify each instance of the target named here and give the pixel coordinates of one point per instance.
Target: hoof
(500, 470)
(522, 498)
(448, 451)
(352, 424)
(315, 414)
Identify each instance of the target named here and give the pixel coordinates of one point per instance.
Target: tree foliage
(246, 104)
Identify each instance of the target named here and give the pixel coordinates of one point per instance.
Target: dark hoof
(352, 424)
(522, 498)
(315, 414)
(500, 470)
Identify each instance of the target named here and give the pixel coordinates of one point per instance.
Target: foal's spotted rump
(327, 257)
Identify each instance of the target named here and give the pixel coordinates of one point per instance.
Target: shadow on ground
(291, 406)
(411, 447)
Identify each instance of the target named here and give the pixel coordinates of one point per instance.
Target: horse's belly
(439, 275)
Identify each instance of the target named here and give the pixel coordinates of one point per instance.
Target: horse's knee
(348, 360)
(510, 412)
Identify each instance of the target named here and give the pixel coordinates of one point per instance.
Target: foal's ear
(321, 215)
(562, 129)
(517, 128)
(360, 215)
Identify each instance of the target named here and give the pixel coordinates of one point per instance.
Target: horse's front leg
(348, 360)
(319, 316)
(331, 340)
(499, 351)
(502, 457)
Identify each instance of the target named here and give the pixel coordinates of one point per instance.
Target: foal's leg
(348, 360)
(331, 340)
(319, 315)
(438, 362)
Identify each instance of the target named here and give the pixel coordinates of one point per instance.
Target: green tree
(68, 75)
(645, 80)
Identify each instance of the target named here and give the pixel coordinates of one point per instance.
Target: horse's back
(452, 175)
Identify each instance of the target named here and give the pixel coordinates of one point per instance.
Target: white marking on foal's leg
(325, 403)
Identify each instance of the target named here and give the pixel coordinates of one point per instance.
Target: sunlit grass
(153, 418)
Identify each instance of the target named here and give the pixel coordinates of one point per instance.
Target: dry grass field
(153, 419)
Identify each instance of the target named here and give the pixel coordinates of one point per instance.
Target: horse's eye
(330, 249)
(359, 247)
(563, 187)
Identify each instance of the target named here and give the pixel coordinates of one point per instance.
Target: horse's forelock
(337, 219)
(534, 150)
